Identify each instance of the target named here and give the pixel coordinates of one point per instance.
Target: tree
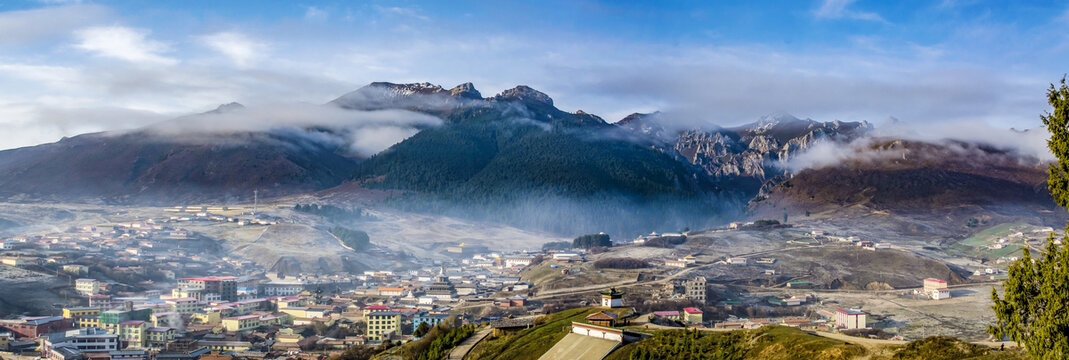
(421, 330)
(1034, 310)
(357, 352)
(592, 240)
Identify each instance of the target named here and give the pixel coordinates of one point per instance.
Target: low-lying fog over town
(835, 179)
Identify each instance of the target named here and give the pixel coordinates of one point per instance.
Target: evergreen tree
(1034, 310)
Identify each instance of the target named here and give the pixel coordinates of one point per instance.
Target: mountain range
(516, 158)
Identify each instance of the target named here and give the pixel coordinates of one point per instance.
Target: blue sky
(68, 67)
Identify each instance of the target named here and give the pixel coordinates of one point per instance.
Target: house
(76, 269)
(737, 261)
(518, 261)
(81, 341)
(380, 325)
(76, 312)
(390, 291)
(225, 345)
(304, 312)
(597, 331)
(693, 315)
(87, 287)
(183, 305)
(287, 342)
(132, 332)
(795, 300)
(31, 327)
(374, 308)
(939, 294)
(676, 263)
(612, 298)
(431, 320)
(695, 289)
(931, 284)
(602, 318)
(670, 315)
(241, 323)
(18, 261)
(730, 325)
(158, 337)
(567, 257)
(850, 319)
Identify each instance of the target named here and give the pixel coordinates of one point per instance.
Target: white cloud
(837, 9)
(27, 124)
(367, 132)
(123, 43)
(30, 26)
(240, 48)
(400, 11)
(1027, 145)
(315, 14)
(55, 77)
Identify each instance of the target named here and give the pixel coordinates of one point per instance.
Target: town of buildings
(142, 293)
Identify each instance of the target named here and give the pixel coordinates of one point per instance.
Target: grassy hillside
(770, 342)
(533, 342)
(142, 166)
(948, 348)
(774, 342)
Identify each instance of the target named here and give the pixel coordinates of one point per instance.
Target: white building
(281, 288)
(612, 298)
(850, 319)
(184, 305)
(600, 332)
(87, 286)
(518, 261)
(567, 257)
(934, 284)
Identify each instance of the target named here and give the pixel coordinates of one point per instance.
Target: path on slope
(465, 347)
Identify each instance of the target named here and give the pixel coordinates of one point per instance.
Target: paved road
(462, 350)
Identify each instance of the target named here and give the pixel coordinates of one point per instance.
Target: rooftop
(850, 311)
(384, 313)
(210, 278)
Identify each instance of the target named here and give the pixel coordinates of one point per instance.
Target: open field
(31, 292)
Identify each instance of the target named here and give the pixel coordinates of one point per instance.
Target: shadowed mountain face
(142, 167)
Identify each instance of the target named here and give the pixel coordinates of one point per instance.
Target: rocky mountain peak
(778, 120)
(408, 89)
(226, 108)
(524, 93)
(465, 90)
